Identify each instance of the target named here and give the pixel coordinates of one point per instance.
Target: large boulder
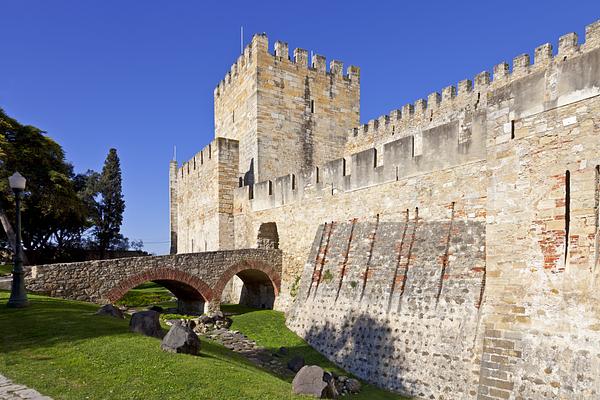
(111, 311)
(181, 339)
(309, 381)
(296, 363)
(147, 323)
(353, 385)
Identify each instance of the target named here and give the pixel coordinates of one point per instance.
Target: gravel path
(11, 391)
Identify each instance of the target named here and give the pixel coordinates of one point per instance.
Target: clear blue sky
(139, 75)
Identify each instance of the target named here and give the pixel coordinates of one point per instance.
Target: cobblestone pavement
(12, 391)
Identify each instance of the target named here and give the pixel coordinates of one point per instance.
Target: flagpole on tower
(241, 39)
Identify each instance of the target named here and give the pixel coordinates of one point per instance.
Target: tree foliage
(54, 215)
(59, 208)
(109, 205)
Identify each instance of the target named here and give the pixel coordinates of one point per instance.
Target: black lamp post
(18, 295)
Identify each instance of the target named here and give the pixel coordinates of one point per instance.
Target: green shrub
(295, 287)
(327, 276)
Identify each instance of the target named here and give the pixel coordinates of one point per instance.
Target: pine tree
(110, 205)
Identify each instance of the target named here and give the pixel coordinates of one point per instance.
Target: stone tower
(273, 116)
(286, 115)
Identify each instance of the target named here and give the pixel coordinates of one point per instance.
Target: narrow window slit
(512, 129)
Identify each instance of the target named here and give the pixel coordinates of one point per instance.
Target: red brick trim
(168, 274)
(271, 273)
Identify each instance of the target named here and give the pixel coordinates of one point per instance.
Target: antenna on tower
(174, 153)
(241, 39)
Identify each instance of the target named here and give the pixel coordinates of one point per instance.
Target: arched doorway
(251, 284)
(192, 294)
(267, 237)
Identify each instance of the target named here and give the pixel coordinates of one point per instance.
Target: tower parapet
(287, 115)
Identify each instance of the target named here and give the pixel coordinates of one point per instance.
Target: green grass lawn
(62, 349)
(148, 294)
(6, 269)
(267, 328)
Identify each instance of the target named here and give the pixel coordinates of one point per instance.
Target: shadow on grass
(49, 322)
(53, 333)
(267, 328)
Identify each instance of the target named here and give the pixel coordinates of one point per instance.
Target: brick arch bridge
(196, 279)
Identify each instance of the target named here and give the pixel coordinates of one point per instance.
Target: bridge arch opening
(250, 288)
(252, 284)
(191, 294)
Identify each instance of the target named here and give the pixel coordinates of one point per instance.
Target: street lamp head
(17, 182)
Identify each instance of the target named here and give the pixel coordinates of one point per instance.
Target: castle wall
(205, 187)
(484, 165)
(429, 330)
(395, 301)
(541, 315)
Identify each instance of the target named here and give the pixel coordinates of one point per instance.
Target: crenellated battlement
(399, 159)
(445, 130)
(260, 45)
(200, 161)
(217, 151)
(470, 94)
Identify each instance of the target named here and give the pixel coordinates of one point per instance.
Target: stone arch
(192, 293)
(250, 271)
(267, 237)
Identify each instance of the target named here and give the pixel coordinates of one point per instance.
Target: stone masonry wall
(199, 276)
(204, 193)
(517, 153)
(456, 241)
(541, 315)
(286, 115)
(393, 301)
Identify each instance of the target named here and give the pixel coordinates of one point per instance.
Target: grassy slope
(267, 328)
(60, 348)
(148, 293)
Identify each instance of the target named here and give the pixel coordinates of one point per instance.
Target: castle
(447, 250)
